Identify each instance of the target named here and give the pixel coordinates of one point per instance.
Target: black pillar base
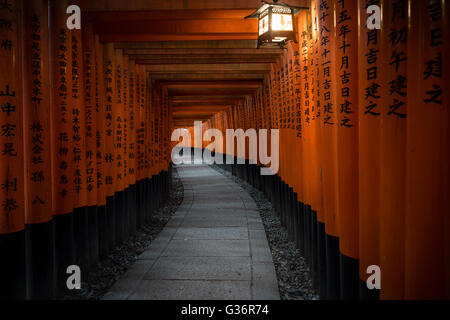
(81, 233)
(120, 208)
(349, 268)
(65, 252)
(12, 266)
(140, 197)
(132, 204)
(300, 227)
(93, 229)
(366, 294)
(41, 260)
(322, 260)
(103, 233)
(111, 225)
(333, 274)
(126, 213)
(307, 233)
(314, 252)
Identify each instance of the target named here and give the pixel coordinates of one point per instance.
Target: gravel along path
(294, 281)
(100, 280)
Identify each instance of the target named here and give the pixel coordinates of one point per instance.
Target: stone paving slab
(214, 247)
(207, 248)
(222, 233)
(200, 268)
(192, 290)
(225, 221)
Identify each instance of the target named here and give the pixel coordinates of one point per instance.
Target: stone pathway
(214, 247)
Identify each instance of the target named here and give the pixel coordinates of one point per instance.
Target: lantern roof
(266, 5)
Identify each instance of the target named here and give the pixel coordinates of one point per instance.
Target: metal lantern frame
(265, 15)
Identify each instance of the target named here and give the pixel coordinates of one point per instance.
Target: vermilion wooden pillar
(77, 137)
(305, 61)
(427, 152)
(295, 125)
(125, 133)
(100, 154)
(446, 170)
(109, 156)
(37, 140)
(393, 147)
(329, 120)
(346, 49)
(317, 213)
(299, 103)
(12, 204)
(62, 148)
(134, 218)
(90, 99)
(371, 79)
(148, 101)
(140, 137)
(118, 138)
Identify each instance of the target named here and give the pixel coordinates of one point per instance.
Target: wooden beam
(200, 60)
(145, 37)
(203, 44)
(215, 108)
(207, 103)
(207, 99)
(212, 84)
(146, 5)
(206, 76)
(210, 68)
(172, 52)
(211, 92)
(219, 26)
(197, 14)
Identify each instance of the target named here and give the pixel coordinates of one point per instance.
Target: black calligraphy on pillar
(131, 120)
(305, 56)
(433, 66)
(63, 136)
(90, 118)
(344, 30)
(77, 138)
(372, 96)
(125, 121)
(108, 156)
(326, 51)
(10, 182)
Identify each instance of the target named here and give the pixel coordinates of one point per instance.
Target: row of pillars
(84, 151)
(364, 148)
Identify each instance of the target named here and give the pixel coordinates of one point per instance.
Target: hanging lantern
(275, 23)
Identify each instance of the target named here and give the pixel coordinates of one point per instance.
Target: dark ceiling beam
(211, 68)
(194, 108)
(145, 37)
(182, 27)
(200, 60)
(146, 5)
(207, 99)
(193, 103)
(203, 44)
(158, 15)
(212, 84)
(206, 76)
(266, 52)
(211, 92)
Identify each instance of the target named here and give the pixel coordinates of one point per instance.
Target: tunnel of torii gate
(87, 116)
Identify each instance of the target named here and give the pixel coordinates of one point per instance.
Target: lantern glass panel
(282, 22)
(264, 25)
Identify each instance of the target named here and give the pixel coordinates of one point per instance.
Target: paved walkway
(214, 247)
